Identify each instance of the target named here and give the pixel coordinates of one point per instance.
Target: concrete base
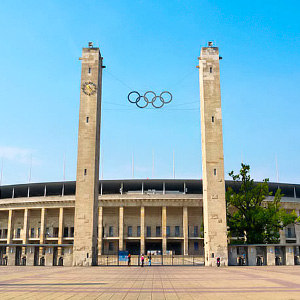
(270, 256)
(289, 256)
(252, 256)
(232, 256)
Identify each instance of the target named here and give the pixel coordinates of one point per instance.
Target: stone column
(121, 228)
(60, 229)
(42, 232)
(289, 255)
(232, 257)
(9, 226)
(251, 256)
(100, 230)
(270, 256)
(142, 249)
(164, 229)
(25, 229)
(185, 231)
(10, 256)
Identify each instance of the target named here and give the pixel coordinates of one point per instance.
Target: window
(213, 119)
(85, 172)
(215, 172)
(168, 230)
(90, 70)
(71, 231)
(87, 119)
(195, 231)
(55, 232)
(0, 233)
(47, 232)
(110, 246)
(39, 232)
(4, 233)
(18, 233)
(149, 231)
(177, 231)
(158, 231)
(129, 231)
(111, 231)
(196, 246)
(210, 70)
(32, 232)
(66, 232)
(138, 231)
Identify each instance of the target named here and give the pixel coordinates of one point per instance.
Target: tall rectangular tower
(214, 203)
(86, 200)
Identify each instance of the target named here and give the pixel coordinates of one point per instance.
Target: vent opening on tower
(215, 172)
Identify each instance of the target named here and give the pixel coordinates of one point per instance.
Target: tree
(250, 217)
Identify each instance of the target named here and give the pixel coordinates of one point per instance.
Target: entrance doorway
(133, 248)
(18, 256)
(54, 256)
(36, 256)
(175, 247)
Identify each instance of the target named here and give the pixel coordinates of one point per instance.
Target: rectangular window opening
(158, 231)
(213, 119)
(148, 231)
(85, 172)
(90, 70)
(210, 70)
(177, 231)
(215, 172)
(87, 119)
(111, 231)
(129, 231)
(168, 231)
(138, 230)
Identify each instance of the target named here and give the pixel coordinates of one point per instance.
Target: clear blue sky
(149, 45)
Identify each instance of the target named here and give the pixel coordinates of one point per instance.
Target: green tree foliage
(249, 217)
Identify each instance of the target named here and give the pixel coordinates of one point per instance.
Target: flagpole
(132, 164)
(1, 175)
(152, 163)
(30, 164)
(173, 163)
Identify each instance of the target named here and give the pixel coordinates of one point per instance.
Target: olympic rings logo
(150, 97)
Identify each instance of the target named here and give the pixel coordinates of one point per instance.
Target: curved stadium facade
(37, 221)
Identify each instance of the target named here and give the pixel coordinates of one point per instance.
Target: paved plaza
(280, 282)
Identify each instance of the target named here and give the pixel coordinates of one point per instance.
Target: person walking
(142, 260)
(129, 259)
(149, 259)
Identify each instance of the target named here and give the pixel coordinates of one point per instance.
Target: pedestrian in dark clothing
(129, 259)
(142, 260)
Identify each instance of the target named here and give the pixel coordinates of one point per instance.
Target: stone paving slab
(153, 283)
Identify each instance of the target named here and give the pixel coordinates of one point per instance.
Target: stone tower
(87, 181)
(214, 204)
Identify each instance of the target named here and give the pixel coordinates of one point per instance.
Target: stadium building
(92, 222)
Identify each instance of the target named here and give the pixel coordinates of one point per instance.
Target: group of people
(142, 259)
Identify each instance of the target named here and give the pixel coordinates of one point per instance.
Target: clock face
(89, 88)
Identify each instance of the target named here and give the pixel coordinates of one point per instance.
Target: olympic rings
(150, 98)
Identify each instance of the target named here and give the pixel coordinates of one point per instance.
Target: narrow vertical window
(90, 70)
(210, 70)
(215, 172)
(85, 172)
(87, 119)
(213, 119)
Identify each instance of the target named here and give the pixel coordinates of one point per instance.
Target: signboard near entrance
(123, 255)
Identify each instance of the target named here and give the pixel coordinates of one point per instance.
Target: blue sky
(149, 45)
